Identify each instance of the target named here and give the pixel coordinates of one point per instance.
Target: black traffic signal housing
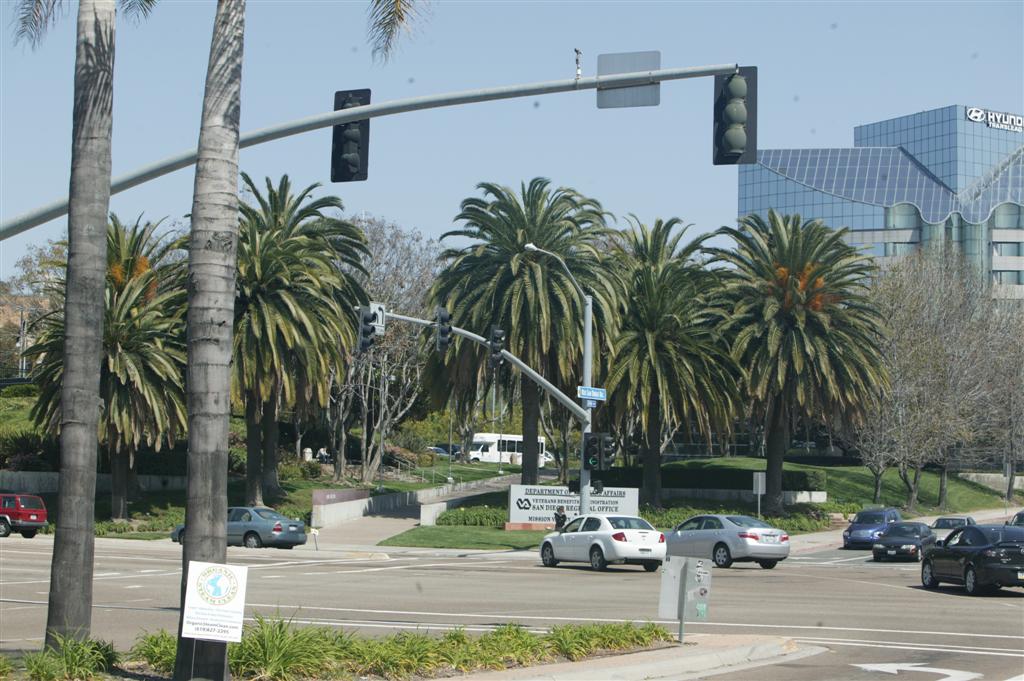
(735, 127)
(574, 486)
(444, 329)
(496, 344)
(367, 317)
(591, 451)
(608, 451)
(350, 145)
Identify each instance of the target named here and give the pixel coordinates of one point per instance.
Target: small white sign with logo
(537, 504)
(214, 601)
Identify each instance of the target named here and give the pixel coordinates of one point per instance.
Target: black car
(981, 557)
(903, 540)
(1017, 520)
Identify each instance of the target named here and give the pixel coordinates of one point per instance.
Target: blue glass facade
(954, 174)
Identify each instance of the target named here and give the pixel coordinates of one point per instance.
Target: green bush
(274, 650)
(676, 477)
(475, 516)
(71, 658)
(6, 667)
(28, 450)
(426, 459)
(798, 518)
(410, 439)
(157, 650)
(20, 390)
(236, 460)
(310, 470)
(289, 471)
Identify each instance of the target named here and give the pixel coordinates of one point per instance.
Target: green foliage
(679, 477)
(6, 667)
(71, 658)
(236, 460)
(476, 516)
(467, 538)
(157, 650)
(289, 470)
(426, 459)
(310, 470)
(16, 413)
(28, 450)
(274, 650)
(20, 390)
(410, 439)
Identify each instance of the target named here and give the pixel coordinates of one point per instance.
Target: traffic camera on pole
(350, 146)
(591, 451)
(367, 318)
(444, 329)
(608, 451)
(496, 344)
(735, 127)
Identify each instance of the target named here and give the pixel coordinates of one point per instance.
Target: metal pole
(587, 363)
(55, 209)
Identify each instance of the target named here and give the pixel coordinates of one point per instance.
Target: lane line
(910, 647)
(936, 646)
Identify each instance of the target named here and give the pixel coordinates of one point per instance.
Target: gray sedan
(726, 539)
(256, 526)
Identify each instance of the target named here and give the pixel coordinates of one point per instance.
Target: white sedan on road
(601, 539)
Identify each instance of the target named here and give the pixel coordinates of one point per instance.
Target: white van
(504, 447)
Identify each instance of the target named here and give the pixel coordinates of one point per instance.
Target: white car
(603, 539)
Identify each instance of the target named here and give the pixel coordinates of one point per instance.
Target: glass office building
(949, 175)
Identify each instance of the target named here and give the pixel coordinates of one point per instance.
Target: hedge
(712, 478)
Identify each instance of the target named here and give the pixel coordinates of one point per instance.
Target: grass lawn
(452, 537)
(14, 413)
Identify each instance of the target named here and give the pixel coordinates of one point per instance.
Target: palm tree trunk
(777, 445)
(271, 432)
(69, 612)
(211, 306)
(531, 421)
(118, 484)
(652, 456)
(253, 452)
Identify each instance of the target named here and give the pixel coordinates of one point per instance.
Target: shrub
(310, 470)
(71, 658)
(6, 668)
(398, 456)
(34, 451)
(411, 440)
(274, 650)
(675, 477)
(20, 390)
(570, 641)
(426, 459)
(475, 516)
(236, 460)
(28, 462)
(289, 471)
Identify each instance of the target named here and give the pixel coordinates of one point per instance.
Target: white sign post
(537, 503)
(214, 602)
(758, 489)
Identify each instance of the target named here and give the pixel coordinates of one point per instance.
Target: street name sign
(214, 602)
(585, 392)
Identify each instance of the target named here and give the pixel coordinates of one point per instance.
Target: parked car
(1017, 520)
(257, 526)
(903, 540)
(867, 526)
(22, 513)
(442, 449)
(604, 539)
(981, 557)
(440, 452)
(946, 524)
(727, 539)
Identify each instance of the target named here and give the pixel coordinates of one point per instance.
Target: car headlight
(846, 533)
(878, 546)
(908, 547)
(876, 533)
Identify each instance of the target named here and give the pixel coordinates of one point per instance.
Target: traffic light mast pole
(53, 210)
(588, 341)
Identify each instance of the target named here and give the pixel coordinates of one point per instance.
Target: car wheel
(28, 534)
(721, 556)
(547, 556)
(877, 557)
(181, 537)
(971, 585)
(768, 564)
(652, 566)
(5, 528)
(927, 576)
(597, 560)
(253, 541)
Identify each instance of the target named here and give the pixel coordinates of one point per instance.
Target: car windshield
(32, 502)
(627, 523)
(746, 521)
(949, 523)
(269, 514)
(872, 518)
(900, 530)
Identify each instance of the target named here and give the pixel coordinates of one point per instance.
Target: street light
(588, 307)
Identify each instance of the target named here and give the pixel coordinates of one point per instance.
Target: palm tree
(143, 351)
(70, 599)
(293, 312)
(801, 326)
(497, 281)
(669, 362)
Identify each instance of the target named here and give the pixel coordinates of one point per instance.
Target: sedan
(730, 538)
(903, 540)
(257, 526)
(981, 557)
(946, 524)
(1017, 520)
(604, 539)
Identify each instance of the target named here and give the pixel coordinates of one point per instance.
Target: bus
(504, 447)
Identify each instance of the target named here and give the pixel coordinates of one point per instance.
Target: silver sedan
(726, 539)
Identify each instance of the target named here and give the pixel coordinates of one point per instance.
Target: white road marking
(897, 667)
(115, 575)
(961, 651)
(272, 576)
(132, 586)
(147, 571)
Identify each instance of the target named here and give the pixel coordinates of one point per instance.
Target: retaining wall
(996, 481)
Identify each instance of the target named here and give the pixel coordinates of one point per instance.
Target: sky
(824, 67)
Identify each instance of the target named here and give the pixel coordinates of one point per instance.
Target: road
(863, 612)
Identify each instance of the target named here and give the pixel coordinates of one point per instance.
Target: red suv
(24, 513)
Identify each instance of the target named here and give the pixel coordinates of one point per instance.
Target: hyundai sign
(537, 503)
(995, 119)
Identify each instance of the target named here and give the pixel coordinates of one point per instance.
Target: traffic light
(735, 128)
(350, 145)
(366, 329)
(591, 451)
(574, 485)
(497, 344)
(608, 451)
(444, 329)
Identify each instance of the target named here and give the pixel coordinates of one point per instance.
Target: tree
(801, 326)
(143, 351)
(669, 360)
(69, 612)
(293, 313)
(496, 281)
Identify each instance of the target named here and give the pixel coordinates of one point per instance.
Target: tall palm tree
(495, 280)
(143, 351)
(293, 312)
(802, 327)
(69, 612)
(669, 360)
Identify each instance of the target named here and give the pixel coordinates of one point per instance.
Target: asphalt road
(864, 613)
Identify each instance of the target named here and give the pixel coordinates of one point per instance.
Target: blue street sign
(590, 404)
(588, 393)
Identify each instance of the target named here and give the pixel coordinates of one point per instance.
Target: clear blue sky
(824, 68)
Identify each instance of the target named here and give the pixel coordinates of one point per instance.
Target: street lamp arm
(536, 249)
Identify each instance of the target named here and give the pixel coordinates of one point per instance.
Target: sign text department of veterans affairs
(537, 503)
(214, 601)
